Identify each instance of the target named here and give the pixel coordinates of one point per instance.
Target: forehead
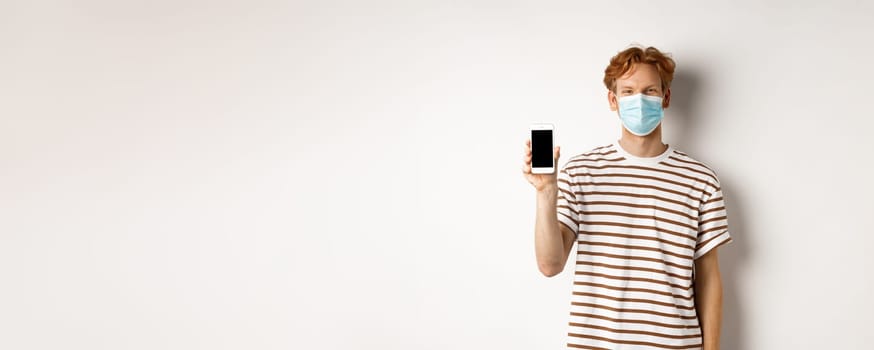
(639, 74)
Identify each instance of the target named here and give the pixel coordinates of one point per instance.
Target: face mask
(640, 113)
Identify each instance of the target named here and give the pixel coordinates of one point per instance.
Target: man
(647, 219)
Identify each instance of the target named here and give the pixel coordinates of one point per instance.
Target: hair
(625, 60)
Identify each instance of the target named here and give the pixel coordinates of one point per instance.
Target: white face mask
(640, 114)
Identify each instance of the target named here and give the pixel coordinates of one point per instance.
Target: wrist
(550, 189)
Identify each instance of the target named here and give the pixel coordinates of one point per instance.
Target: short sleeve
(712, 223)
(567, 207)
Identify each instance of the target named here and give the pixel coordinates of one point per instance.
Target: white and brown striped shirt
(640, 224)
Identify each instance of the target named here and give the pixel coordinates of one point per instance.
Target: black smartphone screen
(541, 148)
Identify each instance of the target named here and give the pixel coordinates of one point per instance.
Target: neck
(643, 146)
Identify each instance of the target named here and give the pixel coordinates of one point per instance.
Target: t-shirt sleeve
(712, 223)
(567, 207)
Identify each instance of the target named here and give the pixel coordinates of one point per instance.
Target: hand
(541, 182)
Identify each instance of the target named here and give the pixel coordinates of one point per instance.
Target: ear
(611, 98)
(666, 101)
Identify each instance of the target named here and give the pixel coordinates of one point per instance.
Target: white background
(346, 175)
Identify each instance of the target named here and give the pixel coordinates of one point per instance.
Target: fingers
(527, 152)
(526, 165)
(526, 169)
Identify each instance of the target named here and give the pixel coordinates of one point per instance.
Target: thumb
(556, 152)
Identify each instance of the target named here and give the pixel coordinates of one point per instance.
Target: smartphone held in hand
(541, 149)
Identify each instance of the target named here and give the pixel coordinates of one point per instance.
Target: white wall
(345, 175)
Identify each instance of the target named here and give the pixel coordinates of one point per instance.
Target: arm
(552, 240)
(708, 298)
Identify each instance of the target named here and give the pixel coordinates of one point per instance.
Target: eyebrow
(628, 87)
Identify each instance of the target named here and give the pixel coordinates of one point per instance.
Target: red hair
(625, 60)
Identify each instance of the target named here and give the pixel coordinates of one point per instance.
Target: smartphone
(541, 149)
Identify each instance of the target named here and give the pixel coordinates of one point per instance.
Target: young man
(647, 219)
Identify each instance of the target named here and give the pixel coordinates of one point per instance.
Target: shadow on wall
(684, 108)
(685, 111)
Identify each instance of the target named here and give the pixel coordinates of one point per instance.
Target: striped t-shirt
(640, 223)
